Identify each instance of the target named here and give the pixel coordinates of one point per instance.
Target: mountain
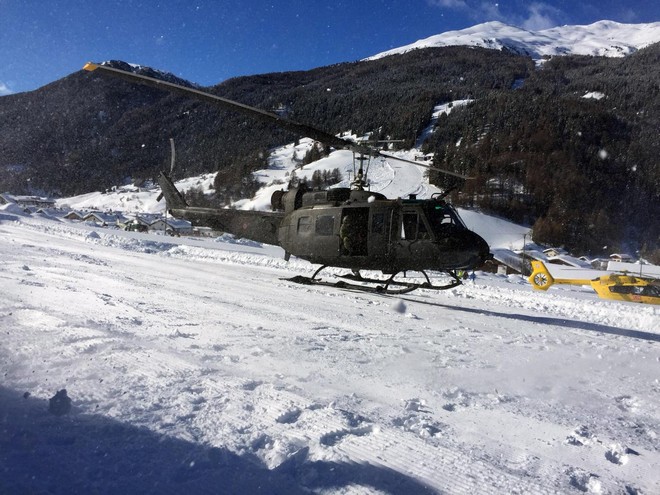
(149, 72)
(89, 132)
(603, 38)
(569, 146)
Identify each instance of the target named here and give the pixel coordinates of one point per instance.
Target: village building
(172, 226)
(74, 215)
(105, 219)
(148, 218)
(27, 201)
(624, 258)
(553, 252)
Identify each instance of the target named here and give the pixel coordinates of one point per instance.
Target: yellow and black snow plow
(613, 286)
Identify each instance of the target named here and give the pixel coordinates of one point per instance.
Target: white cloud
(540, 16)
(4, 89)
(449, 4)
(533, 16)
(489, 11)
(627, 15)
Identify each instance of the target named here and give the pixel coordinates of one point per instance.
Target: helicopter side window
(304, 225)
(647, 290)
(409, 226)
(378, 223)
(325, 225)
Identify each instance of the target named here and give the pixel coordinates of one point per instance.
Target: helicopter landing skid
(375, 285)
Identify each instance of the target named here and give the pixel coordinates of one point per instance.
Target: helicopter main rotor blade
(290, 125)
(431, 167)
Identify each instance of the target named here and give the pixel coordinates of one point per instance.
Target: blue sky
(209, 41)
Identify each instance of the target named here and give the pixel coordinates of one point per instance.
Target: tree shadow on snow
(547, 320)
(91, 454)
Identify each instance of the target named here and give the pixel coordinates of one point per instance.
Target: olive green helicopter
(344, 227)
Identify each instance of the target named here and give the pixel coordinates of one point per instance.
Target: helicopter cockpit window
(304, 225)
(443, 219)
(325, 225)
(413, 227)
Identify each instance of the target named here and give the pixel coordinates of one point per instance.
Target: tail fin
(172, 195)
(540, 277)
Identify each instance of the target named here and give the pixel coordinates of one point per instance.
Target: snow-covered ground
(193, 367)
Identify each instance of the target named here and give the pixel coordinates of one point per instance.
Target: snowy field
(192, 367)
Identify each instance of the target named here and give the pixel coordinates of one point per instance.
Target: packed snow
(193, 365)
(594, 95)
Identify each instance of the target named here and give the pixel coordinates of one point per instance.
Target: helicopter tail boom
(258, 226)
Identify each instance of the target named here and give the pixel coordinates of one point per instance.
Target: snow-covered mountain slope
(603, 38)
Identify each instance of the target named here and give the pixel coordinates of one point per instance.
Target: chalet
(135, 225)
(625, 258)
(50, 212)
(172, 225)
(74, 215)
(552, 252)
(27, 201)
(104, 219)
(148, 218)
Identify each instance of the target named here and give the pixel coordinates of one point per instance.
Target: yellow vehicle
(613, 286)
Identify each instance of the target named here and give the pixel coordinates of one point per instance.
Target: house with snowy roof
(27, 201)
(172, 225)
(147, 218)
(625, 258)
(74, 215)
(105, 219)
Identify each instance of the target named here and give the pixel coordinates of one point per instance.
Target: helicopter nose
(476, 249)
(482, 249)
(469, 250)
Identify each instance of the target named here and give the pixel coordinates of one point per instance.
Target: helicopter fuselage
(369, 231)
(353, 229)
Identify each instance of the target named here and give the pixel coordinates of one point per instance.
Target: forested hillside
(583, 171)
(574, 152)
(89, 131)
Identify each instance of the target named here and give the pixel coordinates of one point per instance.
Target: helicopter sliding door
(354, 232)
(379, 234)
(413, 248)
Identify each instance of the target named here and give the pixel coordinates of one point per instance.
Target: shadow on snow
(547, 320)
(91, 454)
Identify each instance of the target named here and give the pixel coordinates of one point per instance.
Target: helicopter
(614, 286)
(344, 227)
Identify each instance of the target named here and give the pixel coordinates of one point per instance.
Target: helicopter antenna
(172, 158)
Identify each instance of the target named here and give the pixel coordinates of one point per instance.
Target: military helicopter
(350, 228)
